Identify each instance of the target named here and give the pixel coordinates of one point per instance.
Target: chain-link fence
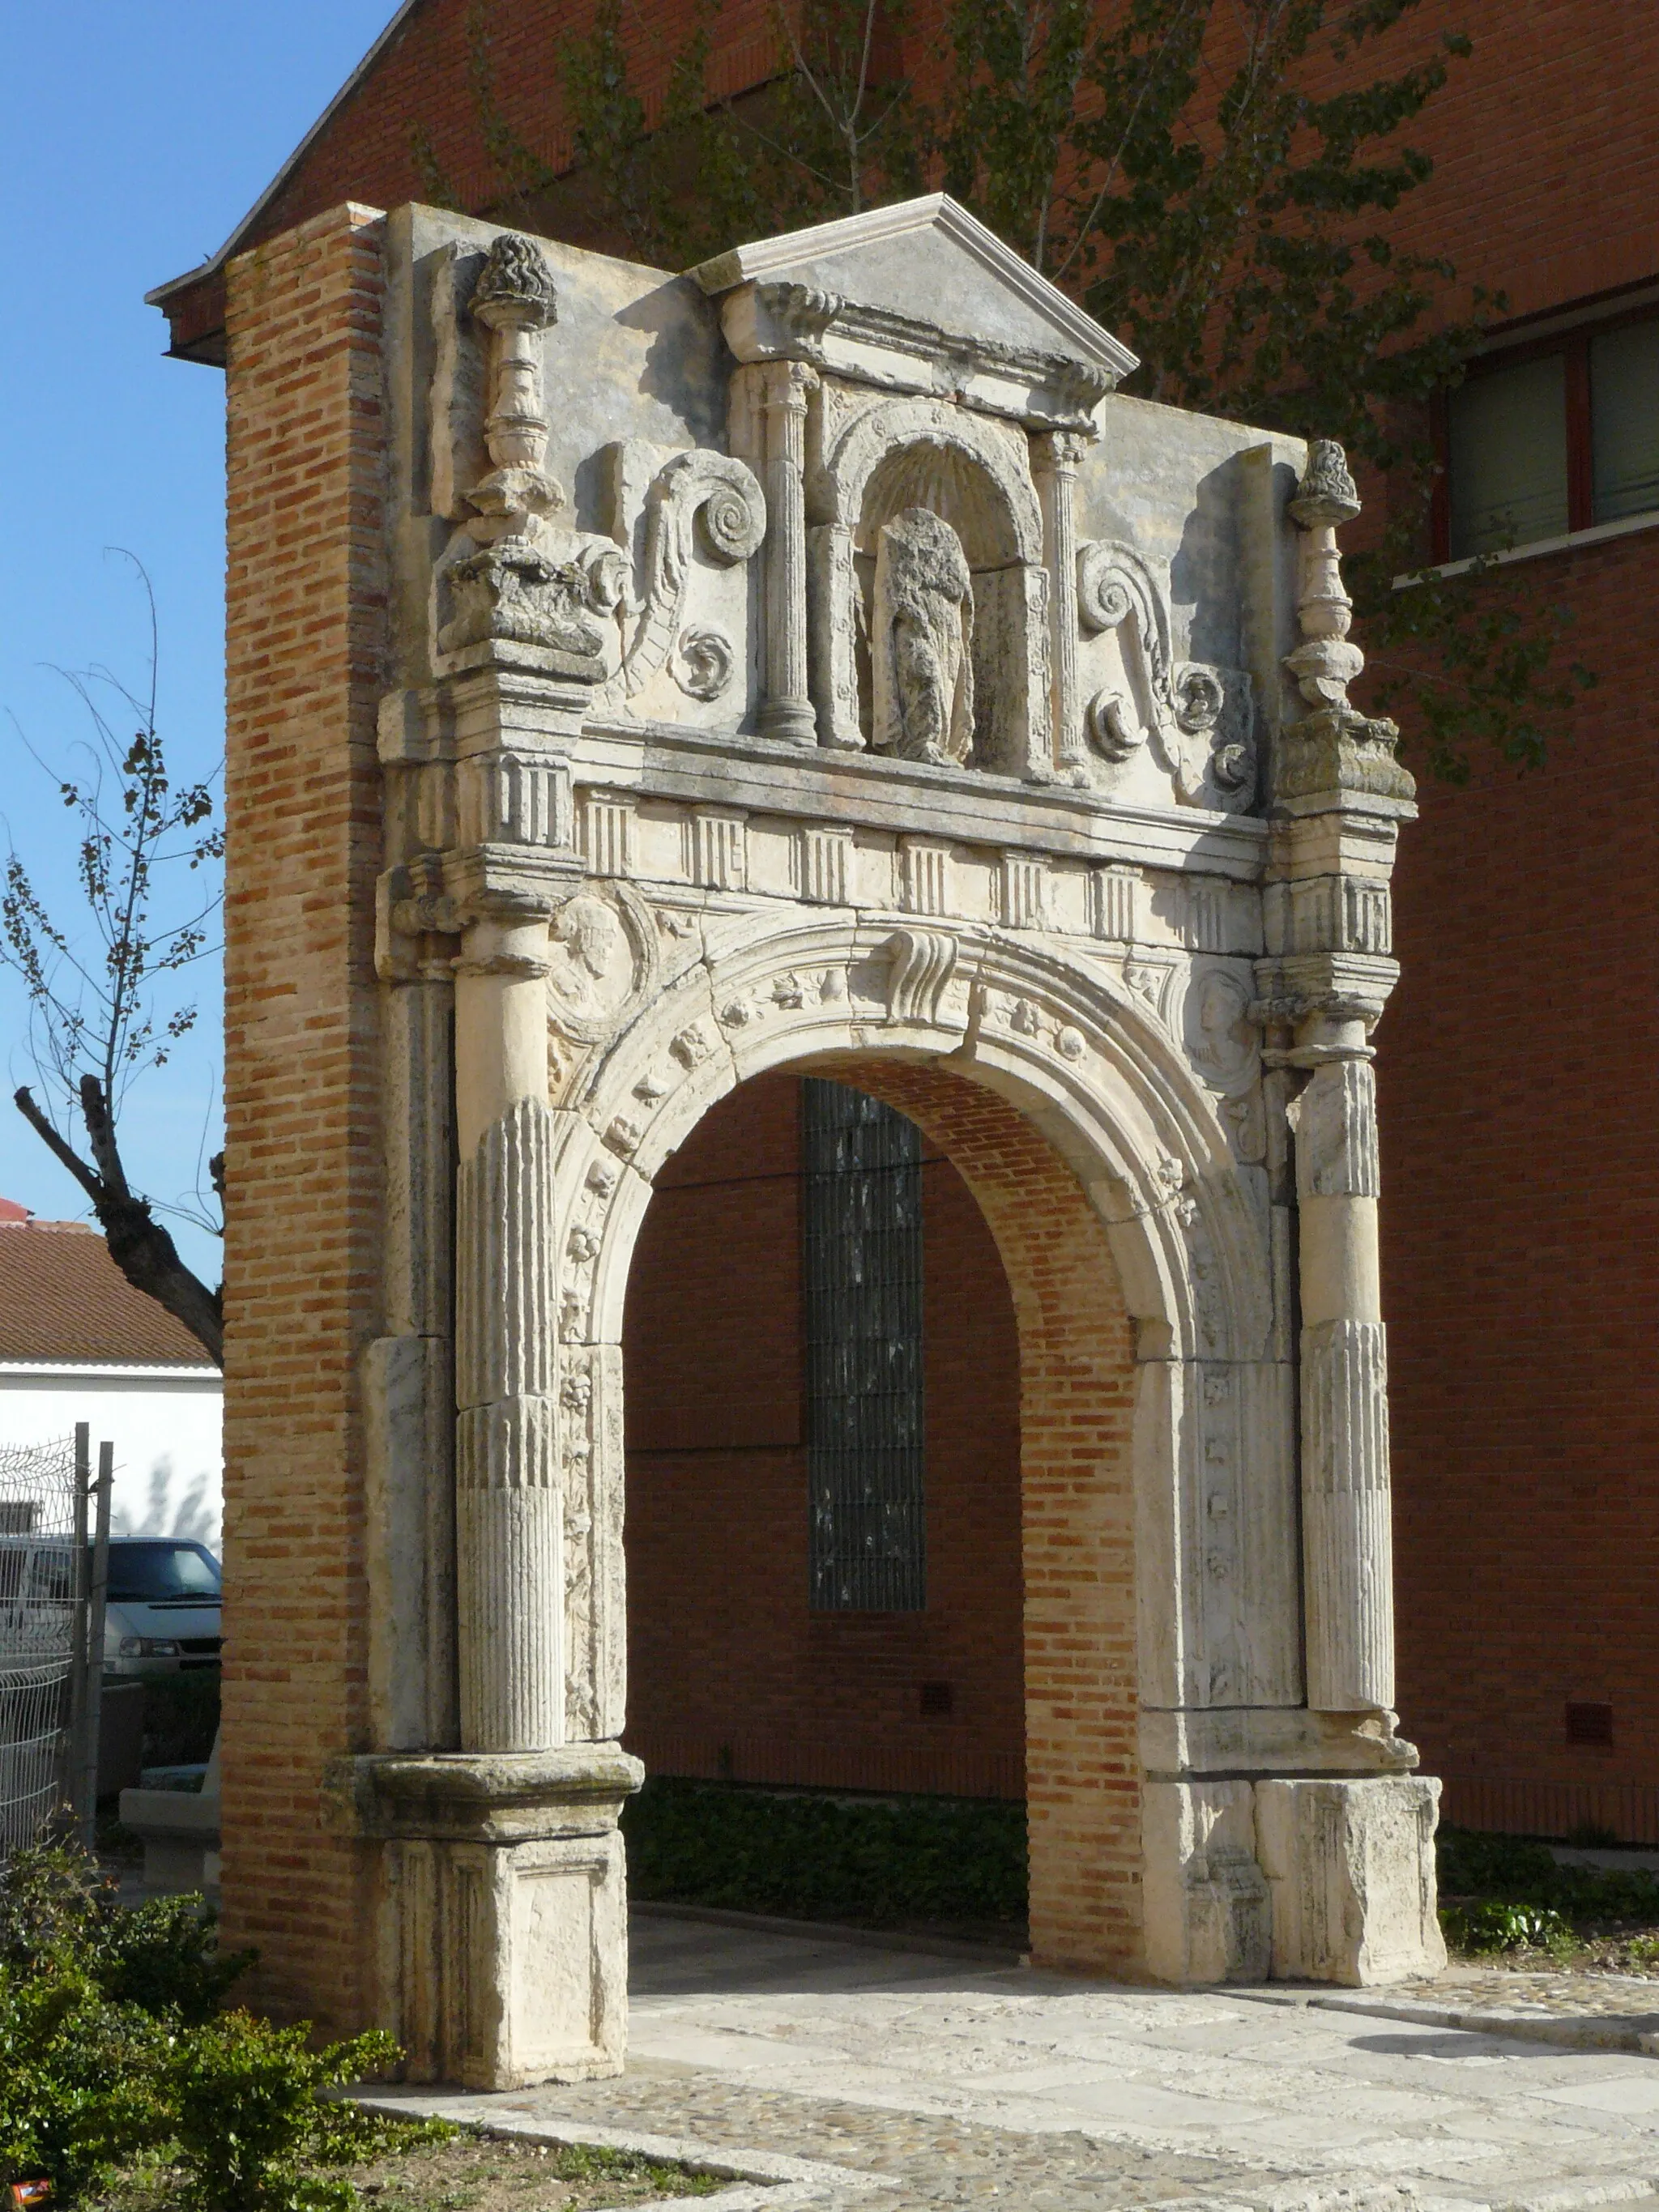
(40, 1638)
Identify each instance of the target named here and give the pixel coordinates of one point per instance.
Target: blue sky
(134, 135)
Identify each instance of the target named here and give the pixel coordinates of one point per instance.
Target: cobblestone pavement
(928, 2082)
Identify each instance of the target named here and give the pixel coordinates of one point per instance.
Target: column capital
(785, 383)
(1059, 452)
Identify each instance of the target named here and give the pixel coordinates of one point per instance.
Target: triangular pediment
(927, 261)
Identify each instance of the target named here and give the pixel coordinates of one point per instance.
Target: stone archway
(598, 725)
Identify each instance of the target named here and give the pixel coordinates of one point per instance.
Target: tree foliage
(107, 996)
(1214, 182)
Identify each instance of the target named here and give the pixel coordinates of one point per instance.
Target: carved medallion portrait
(604, 955)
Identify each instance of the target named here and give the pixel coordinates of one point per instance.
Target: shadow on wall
(168, 1504)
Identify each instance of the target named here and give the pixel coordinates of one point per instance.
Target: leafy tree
(105, 996)
(1213, 181)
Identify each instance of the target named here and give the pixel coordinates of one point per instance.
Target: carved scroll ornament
(699, 500)
(1196, 717)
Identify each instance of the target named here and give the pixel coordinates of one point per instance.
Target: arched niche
(973, 474)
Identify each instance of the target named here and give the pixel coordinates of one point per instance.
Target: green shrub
(1520, 1870)
(112, 2049)
(814, 1856)
(82, 2080)
(250, 2118)
(59, 1911)
(1493, 1925)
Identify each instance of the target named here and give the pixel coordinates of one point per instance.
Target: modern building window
(862, 1245)
(1556, 439)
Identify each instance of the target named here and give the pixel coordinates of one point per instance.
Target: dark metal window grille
(864, 1355)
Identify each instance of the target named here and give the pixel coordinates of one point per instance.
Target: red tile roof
(62, 1297)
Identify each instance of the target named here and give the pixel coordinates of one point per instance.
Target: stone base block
(1208, 1916)
(503, 1936)
(1350, 1867)
(180, 1832)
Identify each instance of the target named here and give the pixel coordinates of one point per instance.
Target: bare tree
(103, 996)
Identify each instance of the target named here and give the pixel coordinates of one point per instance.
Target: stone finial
(515, 285)
(515, 299)
(1335, 748)
(1326, 493)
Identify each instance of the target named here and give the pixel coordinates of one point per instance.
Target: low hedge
(813, 1855)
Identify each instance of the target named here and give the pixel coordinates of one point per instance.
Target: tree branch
(140, 1247)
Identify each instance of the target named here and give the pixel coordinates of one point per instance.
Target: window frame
(1573, 346)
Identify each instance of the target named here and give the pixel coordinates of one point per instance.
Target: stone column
(1055, 458)
(1348, 1853)
(1340, 793)
(1347, 1535)
(508, 1536)
(787, 708)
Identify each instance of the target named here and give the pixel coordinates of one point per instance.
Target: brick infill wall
(304, 646)
(1077, 1413)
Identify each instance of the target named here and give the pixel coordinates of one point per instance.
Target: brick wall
(304, 650)
(1520, 1222)
(1077, 1407)
(729, 1671)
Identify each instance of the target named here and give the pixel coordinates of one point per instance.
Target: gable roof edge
(744, 265)
(162, 293)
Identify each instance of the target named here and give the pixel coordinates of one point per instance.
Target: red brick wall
(1520, 1222)
(728, 1669)
(304, 652)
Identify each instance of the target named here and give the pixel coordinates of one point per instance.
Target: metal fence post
(93, 1696)
(81, 1589)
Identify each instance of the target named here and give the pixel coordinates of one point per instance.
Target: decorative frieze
(608, 842)
(1112, 893)
(716, 848)
(924, 873)
(824, 865)
(1022, 891)
(513, 797)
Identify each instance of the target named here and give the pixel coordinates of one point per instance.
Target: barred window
(867, 1541)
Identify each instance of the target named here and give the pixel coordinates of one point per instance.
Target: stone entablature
(781, 676)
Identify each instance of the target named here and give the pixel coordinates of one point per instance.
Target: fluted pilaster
(509, 1528)
(786, 710)
(1054, 459)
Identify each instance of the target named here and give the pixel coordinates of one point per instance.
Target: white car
(163, 1610)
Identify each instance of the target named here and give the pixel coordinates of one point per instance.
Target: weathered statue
(922, 642)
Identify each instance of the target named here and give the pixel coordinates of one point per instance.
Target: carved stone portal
(788, 671)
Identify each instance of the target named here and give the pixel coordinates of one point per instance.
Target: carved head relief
(922, 640)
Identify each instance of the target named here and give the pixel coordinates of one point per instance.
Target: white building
(79, 1343)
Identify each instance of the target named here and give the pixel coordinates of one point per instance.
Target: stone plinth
(503, 1908)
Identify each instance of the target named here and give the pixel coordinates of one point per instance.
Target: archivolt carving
(721, 493)
(1114, 1091)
